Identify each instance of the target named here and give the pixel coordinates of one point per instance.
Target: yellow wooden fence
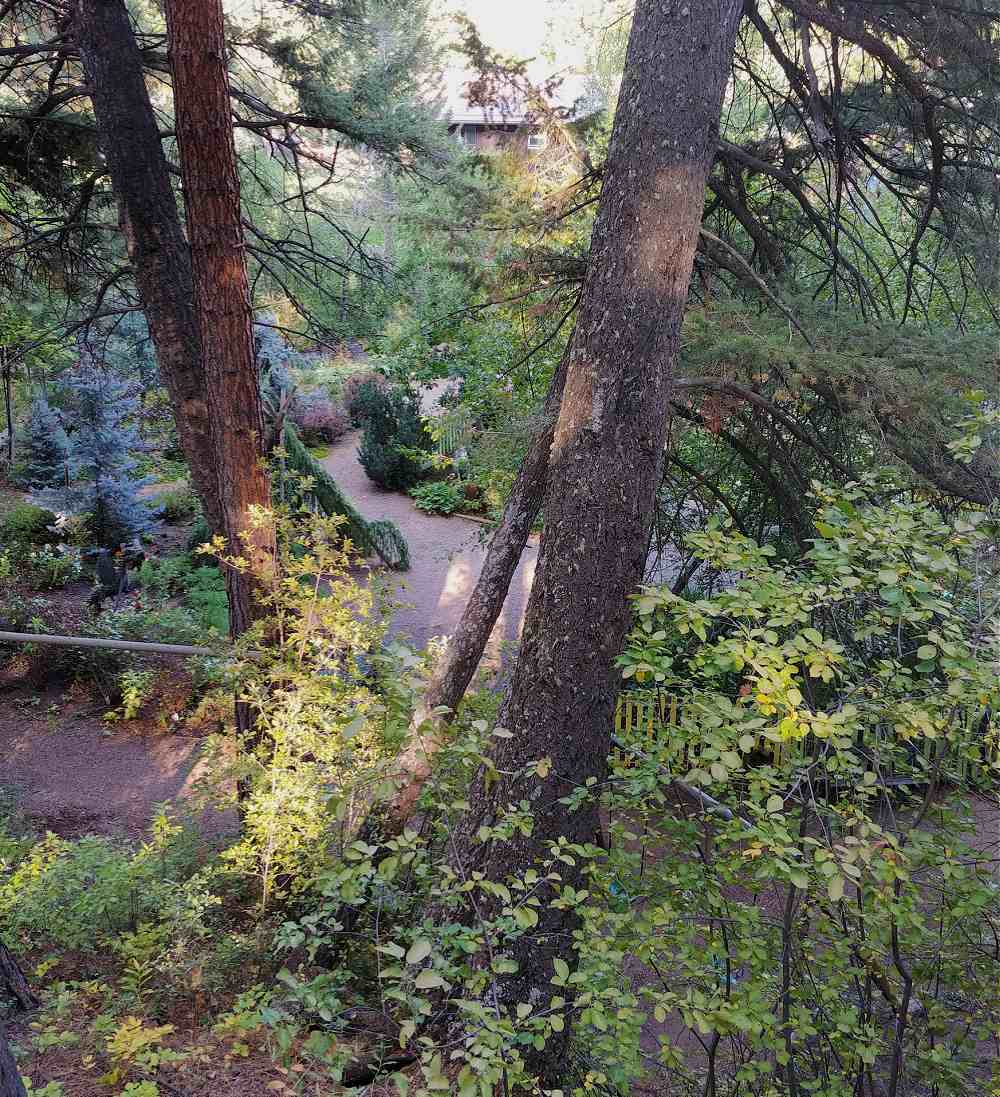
(642, 717)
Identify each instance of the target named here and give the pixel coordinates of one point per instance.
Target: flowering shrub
(319, 418)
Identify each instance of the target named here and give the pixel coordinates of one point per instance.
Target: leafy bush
(202, 588)
(357, 390)
(394, 438)
(84, 894)
(178, 504)
(49, 567)
(438, 497)
(319, 419)
(27, 523)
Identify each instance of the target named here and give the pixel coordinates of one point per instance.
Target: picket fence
(643, 719)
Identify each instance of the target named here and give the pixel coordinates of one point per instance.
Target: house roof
(572, 94)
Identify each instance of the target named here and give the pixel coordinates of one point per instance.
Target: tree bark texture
(13, 982)
(605, 464)
(10, 1079)
(14, 985)
(152, 227)
(197, 53)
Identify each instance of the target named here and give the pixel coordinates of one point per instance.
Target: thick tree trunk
(221, 292)
(10, 1079)
(152, 227)
(606, 462)
(450, 679)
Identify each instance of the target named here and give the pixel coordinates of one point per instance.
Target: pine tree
(101, 452)
(45, 462)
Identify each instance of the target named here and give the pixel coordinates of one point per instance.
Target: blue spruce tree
(45, 460)
(102, 447)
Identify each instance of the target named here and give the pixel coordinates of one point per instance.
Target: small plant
(178, 504)
(27, 523)
(137, 688)
(438, 497)
(50, 567)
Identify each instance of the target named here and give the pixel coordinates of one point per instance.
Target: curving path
(446, 557)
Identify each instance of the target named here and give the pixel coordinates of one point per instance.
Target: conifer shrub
(27, 524)
(45, 458)
(357, 390)
(102, 452)
(394, 438)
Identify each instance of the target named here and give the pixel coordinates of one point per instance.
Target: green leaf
(429, 980)
(927, 651)
(835, 888)
(775, 804)
(562, 970)
(526, 917)
(419, 951)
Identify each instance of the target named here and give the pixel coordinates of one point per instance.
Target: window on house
(537, 140)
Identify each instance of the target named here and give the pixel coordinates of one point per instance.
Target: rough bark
(13, 981)
(606, 462)
(197, 53)
(10, 1079)
(15, 985)
(152, 227)
(451, 677)
(7, 369)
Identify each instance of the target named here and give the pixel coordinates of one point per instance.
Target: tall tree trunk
(606, 462)
(450, 679)
(10, 1079)
(202, 109)
(152, 227)
(8, 400)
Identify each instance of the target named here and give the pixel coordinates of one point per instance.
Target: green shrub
(394, 438)
(82, 894)
(358, 392)
(49, 567)
(202, 588)
(27, 523)
(200, 533)
(178, 504)
(438, 497)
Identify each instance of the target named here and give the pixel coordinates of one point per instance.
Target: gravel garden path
(446, 557)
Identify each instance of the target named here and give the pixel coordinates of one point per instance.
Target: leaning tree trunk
(202, 110)
(605, 464)
(152, 227)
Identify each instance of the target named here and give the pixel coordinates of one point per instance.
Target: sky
(520, 27)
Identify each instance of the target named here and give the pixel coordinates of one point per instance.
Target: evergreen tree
(101, 452)
(393, 431)
(45, 462)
